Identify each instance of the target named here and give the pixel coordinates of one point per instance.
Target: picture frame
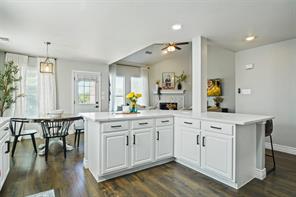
(168, 80)
(214, 87)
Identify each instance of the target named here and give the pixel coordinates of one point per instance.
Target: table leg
(41, 147)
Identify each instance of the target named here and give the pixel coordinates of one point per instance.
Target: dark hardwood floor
(30, 174)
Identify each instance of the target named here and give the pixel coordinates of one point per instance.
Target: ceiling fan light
(164, 52)
(171, 48)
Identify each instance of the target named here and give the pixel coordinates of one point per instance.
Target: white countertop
(230, 118)
(3, 121)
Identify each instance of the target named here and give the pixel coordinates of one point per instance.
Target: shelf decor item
(214, 87)
(168, 80)
(180, 79)
(133, 97)
(218, 100)
(8, 79)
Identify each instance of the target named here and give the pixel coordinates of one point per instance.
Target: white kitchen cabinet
(4, 155)
(164, 144)
(115, 151)
(142, 146)
(188, 145)
(217, 153)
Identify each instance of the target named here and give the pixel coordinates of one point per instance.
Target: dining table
(39, 119)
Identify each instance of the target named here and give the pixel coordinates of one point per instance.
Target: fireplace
(168, 106)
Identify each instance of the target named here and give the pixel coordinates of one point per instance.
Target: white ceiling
(141, 58)
(108, 30)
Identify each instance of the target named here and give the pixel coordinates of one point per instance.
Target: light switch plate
(249, 66)
(245, 91)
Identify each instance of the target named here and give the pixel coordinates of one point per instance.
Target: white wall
(273, 86)
(64, 70)
(177, 64)
(221, 64)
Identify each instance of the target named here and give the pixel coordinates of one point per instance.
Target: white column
(260, 150)
(199, 74)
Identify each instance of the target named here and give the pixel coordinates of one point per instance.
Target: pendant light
(46, 66)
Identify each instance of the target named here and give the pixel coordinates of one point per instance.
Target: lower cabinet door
(189, 145)
(115, 151)
(4, 162)
(217, 154)
(164, 142)
(142, 146)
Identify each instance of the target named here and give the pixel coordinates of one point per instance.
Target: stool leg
(34, 142)
(46, 148)
(75, 137)
(272, 151)
(14, 145)
(78, 138)
(64, 146)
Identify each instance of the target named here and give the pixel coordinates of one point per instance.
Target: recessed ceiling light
(250, 38)
(4, 39)
(176, 27)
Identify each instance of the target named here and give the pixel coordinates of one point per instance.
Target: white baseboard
(281, 148)
(260, 174)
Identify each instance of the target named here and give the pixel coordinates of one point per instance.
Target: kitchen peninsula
(227, 147)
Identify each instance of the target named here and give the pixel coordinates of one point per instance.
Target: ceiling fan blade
(181, 43)
(164, 48)
(178, 48)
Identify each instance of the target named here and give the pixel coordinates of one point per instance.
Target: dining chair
(56, 128)
(268, 132)
(16, 126)
(79, 128)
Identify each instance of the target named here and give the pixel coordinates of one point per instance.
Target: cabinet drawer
(192, 123)
(144, 123)
(217, 127)
(164, 121)
(4, 130)
(115, 126)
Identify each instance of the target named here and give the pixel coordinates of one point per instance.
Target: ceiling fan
(172, 46)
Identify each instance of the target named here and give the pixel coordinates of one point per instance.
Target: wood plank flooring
(30, 174)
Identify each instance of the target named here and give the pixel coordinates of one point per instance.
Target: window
(119, 92)
(86, 92)
(137, 86)
(31, 89)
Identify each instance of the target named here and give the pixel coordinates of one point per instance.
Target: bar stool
(268, 132)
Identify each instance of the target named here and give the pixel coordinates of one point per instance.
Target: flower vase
(133, 107)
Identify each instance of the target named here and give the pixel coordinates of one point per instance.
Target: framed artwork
(168, 80)
(214, 87)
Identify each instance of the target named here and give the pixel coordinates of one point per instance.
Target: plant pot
(179, 86)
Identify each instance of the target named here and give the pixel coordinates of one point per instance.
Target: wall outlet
(249, 66)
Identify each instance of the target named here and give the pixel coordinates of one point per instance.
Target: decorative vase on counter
(133, 108)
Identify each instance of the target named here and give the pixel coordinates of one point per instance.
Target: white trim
(260, 174)
(281, 148)
(170, 92)
(73, 87)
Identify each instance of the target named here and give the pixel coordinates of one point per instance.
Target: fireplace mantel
(170, 92)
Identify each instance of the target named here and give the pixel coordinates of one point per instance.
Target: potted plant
(8, 79)
(133, 97)
(180, 79)
(218, 100)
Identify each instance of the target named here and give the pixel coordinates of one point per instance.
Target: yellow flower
(130, 95)
(139, 95)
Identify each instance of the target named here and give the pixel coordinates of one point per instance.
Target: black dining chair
(268, 132)
(55, 129)
(16, 126)
(79, 128)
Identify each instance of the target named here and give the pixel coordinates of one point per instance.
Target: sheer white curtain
(112, 77)
(46, 90)
(145, 84)
(19, 107)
